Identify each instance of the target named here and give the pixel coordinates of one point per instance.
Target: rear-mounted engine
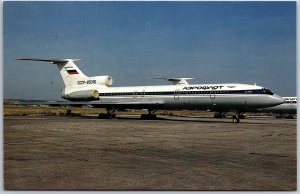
(86, 95)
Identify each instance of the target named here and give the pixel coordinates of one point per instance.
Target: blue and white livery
(98, 92)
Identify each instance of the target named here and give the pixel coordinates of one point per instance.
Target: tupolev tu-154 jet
(98, 92)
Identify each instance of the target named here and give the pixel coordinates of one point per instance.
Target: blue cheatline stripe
(261, 91)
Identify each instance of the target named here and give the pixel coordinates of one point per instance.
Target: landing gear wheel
(236, 119)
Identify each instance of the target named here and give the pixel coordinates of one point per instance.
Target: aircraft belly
(130, 103)
(218, 102)
(205, 103)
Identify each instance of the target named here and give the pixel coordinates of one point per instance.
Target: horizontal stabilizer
(176, 81)
(54, 61)
(69, 72)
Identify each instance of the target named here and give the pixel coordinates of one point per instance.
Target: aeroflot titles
(202, 87)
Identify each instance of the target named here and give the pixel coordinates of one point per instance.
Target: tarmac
(171, 153)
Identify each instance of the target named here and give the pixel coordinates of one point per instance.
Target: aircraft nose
(276, 100)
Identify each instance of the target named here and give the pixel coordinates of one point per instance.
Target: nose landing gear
(236, 118)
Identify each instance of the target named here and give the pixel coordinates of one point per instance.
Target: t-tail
(76, 83)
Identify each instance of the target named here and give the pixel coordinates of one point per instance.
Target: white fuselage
(215, 97)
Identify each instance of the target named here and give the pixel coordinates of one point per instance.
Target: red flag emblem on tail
(71, 70)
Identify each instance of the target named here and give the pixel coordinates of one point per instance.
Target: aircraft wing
(99, 104)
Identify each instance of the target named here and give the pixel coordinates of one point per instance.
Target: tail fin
(69, 72)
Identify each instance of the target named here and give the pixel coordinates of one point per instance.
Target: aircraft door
(176, 94)
(212, 94)
(135, 93)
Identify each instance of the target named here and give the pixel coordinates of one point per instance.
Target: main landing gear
(149, 116)
(109, 115)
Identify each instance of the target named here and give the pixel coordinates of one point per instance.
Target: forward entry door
(213, 94)
(176, 94)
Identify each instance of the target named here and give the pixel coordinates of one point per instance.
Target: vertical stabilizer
(69, 72)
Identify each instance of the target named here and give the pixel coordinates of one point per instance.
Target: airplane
(98, 91)
(285, 110)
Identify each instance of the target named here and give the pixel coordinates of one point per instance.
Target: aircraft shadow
(182, 119)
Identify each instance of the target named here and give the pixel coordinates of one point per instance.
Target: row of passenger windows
(177, 93)
(160, 93)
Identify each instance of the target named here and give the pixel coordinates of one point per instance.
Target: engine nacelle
(104, 80)
(85, 95)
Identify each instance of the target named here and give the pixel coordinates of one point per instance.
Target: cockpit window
(267, 91)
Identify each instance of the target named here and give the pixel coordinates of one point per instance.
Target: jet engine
(104, 80)
(85, 95)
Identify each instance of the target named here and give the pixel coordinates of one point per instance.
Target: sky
(213, 42)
